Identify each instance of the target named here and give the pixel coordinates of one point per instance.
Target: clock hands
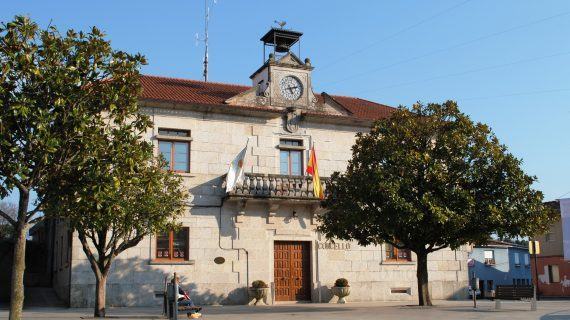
(290, 88)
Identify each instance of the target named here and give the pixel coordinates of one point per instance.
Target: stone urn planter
(341, 289)
(259, 291)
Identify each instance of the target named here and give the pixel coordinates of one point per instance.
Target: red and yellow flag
(313, 170)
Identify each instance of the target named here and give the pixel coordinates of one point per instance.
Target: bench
(171, 306)
(515, 292)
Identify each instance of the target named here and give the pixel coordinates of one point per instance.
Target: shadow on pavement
(558, 315)
(273, 309)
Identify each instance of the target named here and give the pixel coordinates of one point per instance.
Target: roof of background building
(502, 244)
(215, 94)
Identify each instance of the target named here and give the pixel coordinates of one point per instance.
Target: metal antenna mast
(205, 39)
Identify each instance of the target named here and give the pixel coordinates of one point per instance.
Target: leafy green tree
(428, 178)
(54, 92)
(115, 194)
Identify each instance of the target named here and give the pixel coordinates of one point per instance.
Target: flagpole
(246, 151)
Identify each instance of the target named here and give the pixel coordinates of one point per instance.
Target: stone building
(264, 229)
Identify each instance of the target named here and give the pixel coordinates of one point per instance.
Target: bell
(282, 48)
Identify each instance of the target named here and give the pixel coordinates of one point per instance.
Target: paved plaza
(443, 310)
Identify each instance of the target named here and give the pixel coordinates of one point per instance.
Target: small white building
(264, 229)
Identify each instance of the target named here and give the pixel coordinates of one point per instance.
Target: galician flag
(313, 170)
(235, 173)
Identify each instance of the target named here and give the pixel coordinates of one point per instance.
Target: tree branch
(8, 218)
(129, 243)
(89, 253)
(433, 249)
(19, 185)
(31, 213)
(38, 219)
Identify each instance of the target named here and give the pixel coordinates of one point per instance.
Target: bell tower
(281, 40)
(284, 80)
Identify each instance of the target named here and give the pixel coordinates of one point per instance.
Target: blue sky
(506, 62)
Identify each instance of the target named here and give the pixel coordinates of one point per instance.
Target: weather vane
(281, 23)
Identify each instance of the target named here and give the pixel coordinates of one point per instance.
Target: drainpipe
(220, 240)
(233, 249)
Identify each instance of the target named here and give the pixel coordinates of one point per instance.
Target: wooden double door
(292, 270)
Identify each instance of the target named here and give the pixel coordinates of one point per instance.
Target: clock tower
(284, 80)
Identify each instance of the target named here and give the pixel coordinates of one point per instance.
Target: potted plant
(259, 291)
(341, 289)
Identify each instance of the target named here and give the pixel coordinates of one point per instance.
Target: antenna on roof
(205, 39)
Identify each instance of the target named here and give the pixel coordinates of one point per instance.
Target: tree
(115, 194)
(428, 178)
(54, 90)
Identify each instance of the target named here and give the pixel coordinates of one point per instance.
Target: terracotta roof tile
(213, 93)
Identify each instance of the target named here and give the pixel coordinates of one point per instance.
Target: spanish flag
(313, 170)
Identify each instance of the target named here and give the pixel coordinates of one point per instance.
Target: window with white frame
(526, 259)
(517, 259)
(291, 157)
(489, 257)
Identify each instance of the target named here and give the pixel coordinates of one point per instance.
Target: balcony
(275, 186)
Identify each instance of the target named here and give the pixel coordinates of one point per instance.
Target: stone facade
(215, 231)
(242, 229)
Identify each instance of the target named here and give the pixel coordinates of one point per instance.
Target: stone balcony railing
(257, 185)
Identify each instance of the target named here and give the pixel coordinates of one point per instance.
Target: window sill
(397, 262)
(174, 262)
(184, 174)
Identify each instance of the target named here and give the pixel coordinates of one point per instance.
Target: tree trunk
(100, 292)
(19, 260)
(18, 268)
(422, 275)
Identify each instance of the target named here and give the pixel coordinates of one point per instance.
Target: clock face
(291, 88)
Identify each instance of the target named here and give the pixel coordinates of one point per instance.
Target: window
(172, 245)
(489, 257)
(526, 260)
(176, 153)
(553, 274)
(549, 237)
(517, 260)
(291, 157)
(489, 284)
(395, 254)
